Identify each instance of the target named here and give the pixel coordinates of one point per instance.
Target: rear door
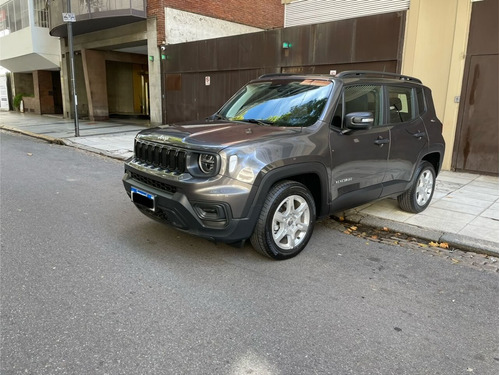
(403, 106)
(358, 157)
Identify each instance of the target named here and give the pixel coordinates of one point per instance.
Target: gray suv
(286, 150)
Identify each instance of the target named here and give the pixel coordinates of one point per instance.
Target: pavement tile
(464, 199)
(485, 222)
(456, 177)
(483, 232)
(447, 215)
(492, 179)
(438, 223)
(387, 209)
(472, 189)
(471, 194)
(438, 195)
(491, 212)
(458, 207)
(447, 186)
(491, 185)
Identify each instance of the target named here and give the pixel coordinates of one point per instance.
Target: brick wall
(264, 14)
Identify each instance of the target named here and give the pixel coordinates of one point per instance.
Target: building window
(14, 16)
(41, 13)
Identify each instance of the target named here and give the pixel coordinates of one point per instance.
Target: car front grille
(169, 158)
(156, 184)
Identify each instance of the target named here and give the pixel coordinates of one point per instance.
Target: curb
(458, 241)
(47, 138)
(109, 154)
(64, 142)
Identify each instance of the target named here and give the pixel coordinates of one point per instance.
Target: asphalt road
(91, 286)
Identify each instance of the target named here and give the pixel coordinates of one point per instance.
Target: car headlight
(207, 163)
(201, 164)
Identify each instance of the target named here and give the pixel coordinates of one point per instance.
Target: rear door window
(420, 101)
(401, 102)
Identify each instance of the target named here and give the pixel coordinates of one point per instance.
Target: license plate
(143, 198)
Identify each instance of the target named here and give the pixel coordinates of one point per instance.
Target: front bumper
(204, 218)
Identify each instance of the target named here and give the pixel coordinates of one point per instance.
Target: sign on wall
(4, 97)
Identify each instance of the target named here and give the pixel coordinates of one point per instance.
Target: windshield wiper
(216, 116)
(260, 122)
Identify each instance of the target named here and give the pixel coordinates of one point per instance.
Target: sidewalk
(113, 138)
(464, 211)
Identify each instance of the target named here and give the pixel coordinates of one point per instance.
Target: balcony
(95, 15)
(25, 43)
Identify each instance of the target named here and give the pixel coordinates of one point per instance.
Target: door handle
(381, 141)
(419, 134)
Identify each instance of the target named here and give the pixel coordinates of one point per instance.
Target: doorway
(476, 141)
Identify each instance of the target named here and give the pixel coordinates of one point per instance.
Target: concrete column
(94, 70)
(36, 91)
(154, 71)
(65, 86)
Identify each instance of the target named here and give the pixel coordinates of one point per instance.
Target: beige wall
(434, 51)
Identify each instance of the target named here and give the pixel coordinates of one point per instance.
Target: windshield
(279, 103)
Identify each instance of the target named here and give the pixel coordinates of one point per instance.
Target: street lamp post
(69, 18)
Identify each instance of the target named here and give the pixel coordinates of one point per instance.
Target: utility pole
(69, 18)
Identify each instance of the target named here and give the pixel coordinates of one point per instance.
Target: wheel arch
(435, 159)
(312, 175)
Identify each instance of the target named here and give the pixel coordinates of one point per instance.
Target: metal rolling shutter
(306, 12)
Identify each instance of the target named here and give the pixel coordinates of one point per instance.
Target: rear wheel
(286, 222)
(418, 197)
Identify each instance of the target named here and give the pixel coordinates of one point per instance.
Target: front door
(476, 139)
(358, 157)
(476, 148)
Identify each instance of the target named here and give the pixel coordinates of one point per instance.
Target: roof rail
(268, 75)
(364, 73)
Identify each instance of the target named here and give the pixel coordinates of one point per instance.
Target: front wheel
(418, 197)
(286, 222)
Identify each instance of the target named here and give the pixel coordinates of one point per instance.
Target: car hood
(213, 135)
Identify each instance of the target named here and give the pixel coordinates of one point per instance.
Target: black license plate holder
(143, 198)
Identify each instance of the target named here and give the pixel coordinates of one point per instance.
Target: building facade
(154, 58)
(452, 46)
(118, 47)
(31, 55)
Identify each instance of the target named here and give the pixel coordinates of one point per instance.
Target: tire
(286, 221)
(418, 197)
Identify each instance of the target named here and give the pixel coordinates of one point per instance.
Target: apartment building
(31, 55)
(154, 58)
(118, 45)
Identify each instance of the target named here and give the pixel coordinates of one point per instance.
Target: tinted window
(365, 98)
(400, 104)
(420, 101)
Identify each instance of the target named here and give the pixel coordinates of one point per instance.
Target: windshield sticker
(315, 82)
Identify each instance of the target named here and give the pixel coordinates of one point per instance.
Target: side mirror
(359, 120)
